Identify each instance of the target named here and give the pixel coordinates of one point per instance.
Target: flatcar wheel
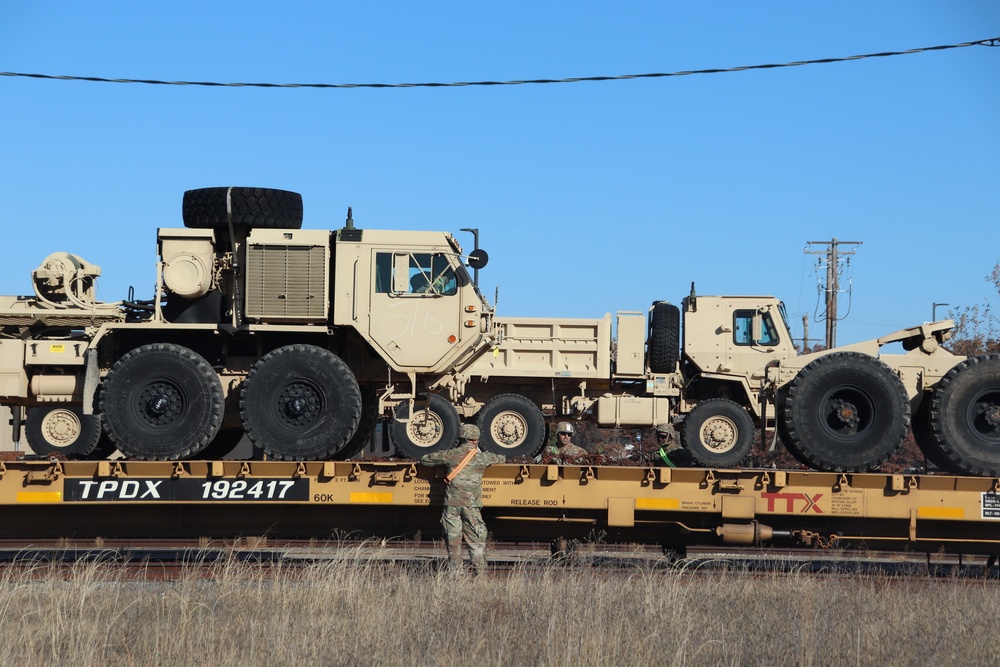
(432, 427)
(161, 402)
(300, 402)
(718, 433)
(62, 430)
(965, 415)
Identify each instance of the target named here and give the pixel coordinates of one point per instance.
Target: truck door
(755, 340)
(416, 307)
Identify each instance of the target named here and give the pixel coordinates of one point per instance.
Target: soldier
(670, 453)
(464, 497)
(564, 451)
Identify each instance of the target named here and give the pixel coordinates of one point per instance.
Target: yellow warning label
(657, 503)
(57, 348)
(940, 513)
(371, 497)
(39, 497)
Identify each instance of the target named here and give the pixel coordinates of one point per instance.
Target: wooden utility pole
(805, 334)
(832, 288)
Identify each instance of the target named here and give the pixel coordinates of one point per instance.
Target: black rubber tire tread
(105, 448)
(292, 379)
(366, 425)
(444, 423)
(965, 412)
(733, 415)
(664, 337)
(527, 418)
(264, 208)
(85, 442)
(878, 397)
(132, 403)
(786, 440)
(923, 435)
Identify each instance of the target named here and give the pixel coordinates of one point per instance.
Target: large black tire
(266, 208)
(965, 416)
(718, 433)
(299, 403)
(433, 427)
(786, 440)
(846, 412)
(923, 435)
(161, 402)
(664, 337)
(62, 430)
(511, 425)
(366, 425)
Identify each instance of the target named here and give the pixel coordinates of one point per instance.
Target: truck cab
(734, 339)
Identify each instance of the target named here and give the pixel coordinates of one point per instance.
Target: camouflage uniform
(463, 499)
(567, 453)
(670, 454)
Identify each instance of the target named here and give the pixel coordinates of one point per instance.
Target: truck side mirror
(478, 258)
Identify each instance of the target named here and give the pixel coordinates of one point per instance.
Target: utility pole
(832, 288)
(805, 334)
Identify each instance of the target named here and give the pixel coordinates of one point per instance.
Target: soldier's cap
(663, 428)
(469, 432)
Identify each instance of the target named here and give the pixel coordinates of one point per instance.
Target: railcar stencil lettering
(186, 490)
(991, 505)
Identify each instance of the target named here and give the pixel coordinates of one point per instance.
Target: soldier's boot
(455, 563)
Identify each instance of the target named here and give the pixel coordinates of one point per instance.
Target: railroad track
(171, 558)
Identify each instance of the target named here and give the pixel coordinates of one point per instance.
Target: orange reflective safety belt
(462, 464)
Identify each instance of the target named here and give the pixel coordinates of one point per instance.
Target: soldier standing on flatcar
(464, 497)
(670, 453)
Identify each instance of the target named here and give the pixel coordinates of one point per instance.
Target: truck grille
(286, 283)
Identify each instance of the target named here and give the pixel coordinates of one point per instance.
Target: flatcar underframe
(673, 507)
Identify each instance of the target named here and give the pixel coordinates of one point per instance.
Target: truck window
(428, 274)
(743, 328)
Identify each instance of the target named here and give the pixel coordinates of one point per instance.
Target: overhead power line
(994, 41)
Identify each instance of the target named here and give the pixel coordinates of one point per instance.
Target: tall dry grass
(364, 612)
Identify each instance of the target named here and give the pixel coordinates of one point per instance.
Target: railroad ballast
(303, 339)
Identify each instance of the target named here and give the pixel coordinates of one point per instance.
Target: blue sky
(589, 197)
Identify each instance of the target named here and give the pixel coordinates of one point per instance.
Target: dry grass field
(370, 613)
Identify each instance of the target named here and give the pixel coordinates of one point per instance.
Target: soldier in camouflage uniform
(670, 454)
(464, 497)
(564, 451)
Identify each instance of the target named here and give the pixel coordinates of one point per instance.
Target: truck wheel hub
(719, 435)
(160, 403)
(61, 428)
(299, 404)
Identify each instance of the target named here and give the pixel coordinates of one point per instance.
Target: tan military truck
(302, 339)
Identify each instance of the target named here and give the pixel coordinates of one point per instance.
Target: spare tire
(267, 208)
(664, 337)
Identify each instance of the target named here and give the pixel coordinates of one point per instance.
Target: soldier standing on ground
(464, 497)
(564, 451)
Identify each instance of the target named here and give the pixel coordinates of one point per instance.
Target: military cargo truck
(303, 339)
